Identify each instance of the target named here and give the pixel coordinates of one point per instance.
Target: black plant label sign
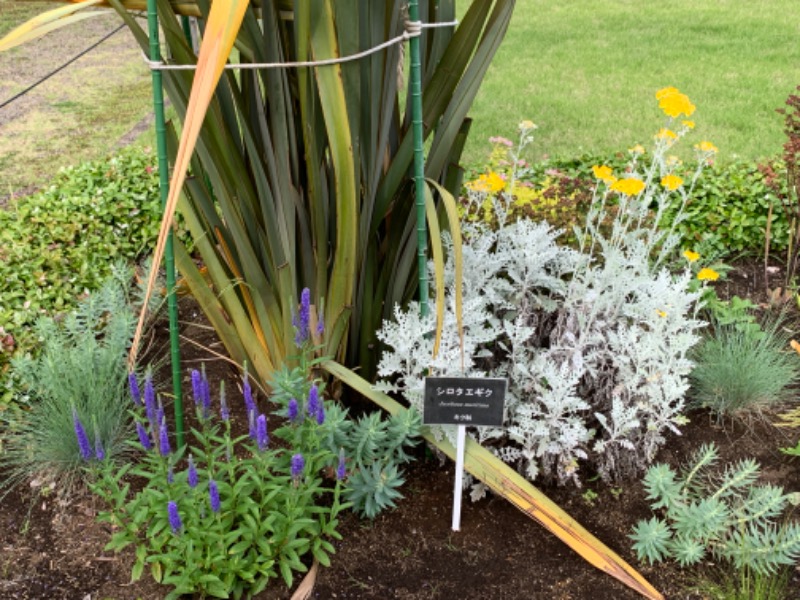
(464, 400)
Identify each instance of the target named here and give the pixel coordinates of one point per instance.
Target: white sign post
(463, 401)
(457, 492)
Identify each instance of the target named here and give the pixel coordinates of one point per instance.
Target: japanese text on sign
(464, 400)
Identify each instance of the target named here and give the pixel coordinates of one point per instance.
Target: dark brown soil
(51, 551)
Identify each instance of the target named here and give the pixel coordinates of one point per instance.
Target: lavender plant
(225, 515)
(594, 341)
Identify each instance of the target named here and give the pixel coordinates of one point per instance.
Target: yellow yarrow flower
(488, 183)
(629, 187)
(664, 134)
(637, 149)
(688, 124)
(526, 125)
(604, 173)
(671, 182)
(706, 147)
(691, 256)
(707, 274)
(673, 103)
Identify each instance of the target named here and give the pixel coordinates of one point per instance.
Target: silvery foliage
(593, 342)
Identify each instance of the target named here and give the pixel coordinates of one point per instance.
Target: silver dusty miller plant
(593, 341)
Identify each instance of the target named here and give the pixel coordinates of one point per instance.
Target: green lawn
(81, 113)
(586, 74)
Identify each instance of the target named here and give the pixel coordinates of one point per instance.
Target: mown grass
(586, 74)
(79, 114)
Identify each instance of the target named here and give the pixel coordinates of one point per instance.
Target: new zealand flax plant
(300, 178)
(301, 175)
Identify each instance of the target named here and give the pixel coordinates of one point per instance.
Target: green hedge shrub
(61, 242)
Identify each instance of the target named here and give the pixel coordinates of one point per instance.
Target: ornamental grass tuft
(740, 369)
(79, 380)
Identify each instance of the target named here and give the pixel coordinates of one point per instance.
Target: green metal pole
(163, 174)
(419, 160)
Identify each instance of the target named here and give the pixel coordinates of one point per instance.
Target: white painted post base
(462, 434)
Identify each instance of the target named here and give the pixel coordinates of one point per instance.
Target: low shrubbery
(59, 244)
(227, 514)
(594, 341)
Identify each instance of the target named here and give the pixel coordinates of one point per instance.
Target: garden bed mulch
(53, 551)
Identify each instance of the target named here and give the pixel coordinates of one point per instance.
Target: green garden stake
(419, 161)
(169, 255)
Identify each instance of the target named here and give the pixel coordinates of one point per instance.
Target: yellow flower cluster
(666, 134)
(630, 186)
(691, 256)
(673, 103)
(488, 183)
(604, 173)
(707, 274)
(706, 147)
(671, 182)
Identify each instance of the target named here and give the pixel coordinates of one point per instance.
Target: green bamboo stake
(419, 161)
(169, 255)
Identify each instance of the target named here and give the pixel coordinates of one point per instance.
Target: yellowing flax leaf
(220, 32)
(47, 22)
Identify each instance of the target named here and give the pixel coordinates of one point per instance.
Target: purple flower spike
(301, 321)
(150, 401)
(144, 438)
(159, 415)
(251, 420)
(80, 433)
(313, 401)
(99, 451)
(248, 394)
(174, 517)
(192, 474)
(197, 384)
(320, 414)
(341, 469)
(163, 439)
(261, 433)
(224, 411)
(213, 496)
(293, 410)
(205, 396)
(320, 325)
(133, 386)
(298, 464)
